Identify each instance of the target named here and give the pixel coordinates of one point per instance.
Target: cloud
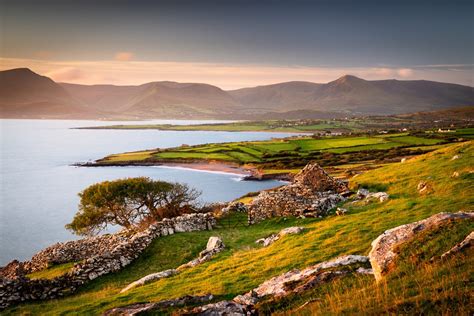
(225, 76)
(124, 56)
(67, 74)
(405, 72)
(44, 54)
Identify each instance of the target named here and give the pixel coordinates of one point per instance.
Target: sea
(39, 185)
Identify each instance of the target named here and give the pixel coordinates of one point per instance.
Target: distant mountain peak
(19, 72)
(348, 78)
(24, 93)
(28, 70)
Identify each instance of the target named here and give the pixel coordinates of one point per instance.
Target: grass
(52, 272)
(416, 286)
(293, 152)
(380, 146)
(354, 124)
(337, 142)
(243, 265)
(413, 140)
(135, 156)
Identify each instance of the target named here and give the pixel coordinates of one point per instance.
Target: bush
(129, 202)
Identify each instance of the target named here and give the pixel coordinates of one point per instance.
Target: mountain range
(25, 94)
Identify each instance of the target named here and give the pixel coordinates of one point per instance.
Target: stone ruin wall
(98, 255)
(312, 194)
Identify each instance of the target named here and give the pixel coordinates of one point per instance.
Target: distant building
(440, 130)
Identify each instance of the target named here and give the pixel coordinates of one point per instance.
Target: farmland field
(280, 155)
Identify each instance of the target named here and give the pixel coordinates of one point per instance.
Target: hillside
(25, 94)
(354, 95)
(416, 284)
(156, 99)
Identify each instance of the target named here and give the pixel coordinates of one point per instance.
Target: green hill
(415, 286)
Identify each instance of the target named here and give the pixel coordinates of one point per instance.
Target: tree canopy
(129, 202)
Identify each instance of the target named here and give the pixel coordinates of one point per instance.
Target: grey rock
(382, 255)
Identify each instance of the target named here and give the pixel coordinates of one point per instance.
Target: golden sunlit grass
(244, 265)
(52, 272)
(139, 155)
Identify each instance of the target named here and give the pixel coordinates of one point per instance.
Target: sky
(239, 43)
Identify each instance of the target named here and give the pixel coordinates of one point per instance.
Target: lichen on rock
(274, 237)
(382, 255)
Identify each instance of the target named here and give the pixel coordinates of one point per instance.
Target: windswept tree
(129, 202)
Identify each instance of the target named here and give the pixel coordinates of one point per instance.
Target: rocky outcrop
(272, 238)
(128, 247)
(424, 187)
(312, 194)
(150, 278)
(214, 245)
(222, 308)
(292, 282)
(297, 281)
(146, 308)
(367, 196)
(341, 211)
(383, 254)
(468, 242)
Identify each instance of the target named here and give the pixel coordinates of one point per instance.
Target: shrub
(129, 202)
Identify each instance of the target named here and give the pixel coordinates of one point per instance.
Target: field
(294, 152)
(434, 288)
(258, 126)
(457, 118)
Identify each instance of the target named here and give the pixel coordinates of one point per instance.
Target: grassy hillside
(244, 265)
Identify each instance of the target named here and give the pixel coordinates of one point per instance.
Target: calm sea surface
(38, 187)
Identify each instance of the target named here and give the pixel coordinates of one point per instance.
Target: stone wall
(73, 251)
(313, 193)
(110, 254)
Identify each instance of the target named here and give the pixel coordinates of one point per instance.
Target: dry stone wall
(312, 194)
(112, 253)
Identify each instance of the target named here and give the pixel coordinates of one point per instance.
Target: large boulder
(383, 255)
(150, 278)
(467, 243)
(274, 237)
(222, 308)
(305, 279)
(157, 307)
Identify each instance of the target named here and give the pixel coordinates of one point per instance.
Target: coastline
(112, 127)
(247, 173)
(211, 166)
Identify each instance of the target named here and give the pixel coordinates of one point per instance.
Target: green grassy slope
(288, 152)
(244, 265)
(416, 286)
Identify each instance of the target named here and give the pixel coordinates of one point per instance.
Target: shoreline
(210, 167)
(246, 173)
(295, 132)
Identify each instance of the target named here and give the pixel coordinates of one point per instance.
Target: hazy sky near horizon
(238, 43)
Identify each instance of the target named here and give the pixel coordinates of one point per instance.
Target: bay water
(39, 185)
